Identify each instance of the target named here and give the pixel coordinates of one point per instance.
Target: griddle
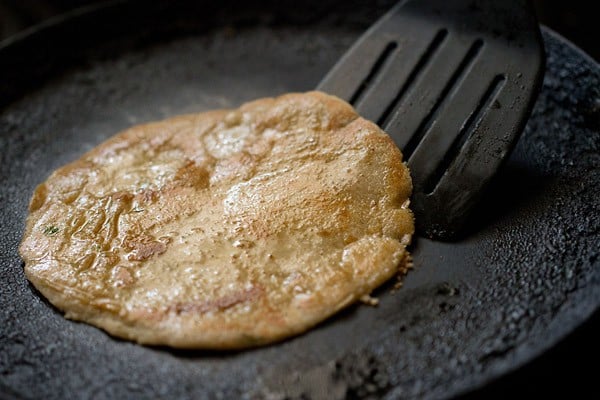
(524, 278)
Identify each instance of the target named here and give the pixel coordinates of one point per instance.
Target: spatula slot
(435, 44)
(377, 66)
(466, 132)
(454, 80)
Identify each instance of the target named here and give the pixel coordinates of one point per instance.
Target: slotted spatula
(453, 83)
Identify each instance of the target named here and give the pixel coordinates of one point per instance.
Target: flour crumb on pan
(224, 229)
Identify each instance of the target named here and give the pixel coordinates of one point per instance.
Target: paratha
(223, 229)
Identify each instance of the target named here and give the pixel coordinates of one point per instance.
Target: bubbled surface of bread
(223, 229)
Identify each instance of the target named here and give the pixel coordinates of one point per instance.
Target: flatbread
(224, 229)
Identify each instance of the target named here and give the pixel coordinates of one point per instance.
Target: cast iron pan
(525, 276)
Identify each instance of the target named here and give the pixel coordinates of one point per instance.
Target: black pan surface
(525, 276)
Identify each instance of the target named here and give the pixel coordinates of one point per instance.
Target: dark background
(574, 19)
(574, 376)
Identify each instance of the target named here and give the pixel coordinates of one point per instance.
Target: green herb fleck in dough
(51, 230)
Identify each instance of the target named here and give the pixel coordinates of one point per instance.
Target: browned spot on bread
(239, 166)
(39, 197)
(192, 175)
(122, 196)
(122, 276)
(149, 195)
(144, 249)
(221, 303)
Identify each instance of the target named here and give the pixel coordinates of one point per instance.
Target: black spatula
(453, 83)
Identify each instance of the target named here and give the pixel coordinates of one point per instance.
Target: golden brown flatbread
(223, 229)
